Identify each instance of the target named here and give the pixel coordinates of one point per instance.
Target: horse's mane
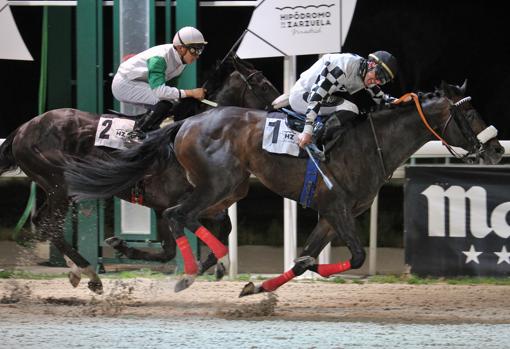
(214, 81)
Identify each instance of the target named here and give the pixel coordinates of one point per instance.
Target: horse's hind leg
(186, 215)
(223, 225)
(167, 243)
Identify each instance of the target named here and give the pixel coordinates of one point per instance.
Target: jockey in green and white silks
(313, 93)
(142, 79)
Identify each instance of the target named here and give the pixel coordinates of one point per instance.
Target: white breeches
(133, 91)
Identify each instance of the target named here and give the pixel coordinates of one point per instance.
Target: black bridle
(476, 146)
(249, 87)
(246, 79)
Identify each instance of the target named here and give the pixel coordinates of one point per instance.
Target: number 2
(107, 124)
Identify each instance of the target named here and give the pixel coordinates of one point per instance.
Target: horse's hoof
(305, 261)
(96, 286)
(114, 242)
(219, 271)
(184, 283)
(250, 289)
(74, 279)
(201, 269)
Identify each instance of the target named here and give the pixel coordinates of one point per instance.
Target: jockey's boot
(150, 121)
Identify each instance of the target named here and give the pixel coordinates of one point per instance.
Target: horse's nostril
(500, 150)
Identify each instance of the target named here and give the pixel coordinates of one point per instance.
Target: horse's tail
(102, 178)
(7, 160)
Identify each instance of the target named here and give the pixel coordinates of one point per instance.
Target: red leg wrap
(273, 284)
(210, 240)
(190, 264)
(330, 269)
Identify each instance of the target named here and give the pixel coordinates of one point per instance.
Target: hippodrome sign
(296, 27)
(11, 41)
(456, 220)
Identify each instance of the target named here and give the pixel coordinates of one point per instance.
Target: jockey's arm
(379, 96)
(157, 82)
(327, 83)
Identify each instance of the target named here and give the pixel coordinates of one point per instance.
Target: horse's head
(246, 86)
(466, 129)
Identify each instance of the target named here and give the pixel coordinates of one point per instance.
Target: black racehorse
(40, 146)
(221, 147)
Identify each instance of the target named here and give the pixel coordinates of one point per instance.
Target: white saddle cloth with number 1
(111, 132)
(278, 137)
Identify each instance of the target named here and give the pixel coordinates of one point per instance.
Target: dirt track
(302, 300)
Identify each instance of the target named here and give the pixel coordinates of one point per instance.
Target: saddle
(326, 133)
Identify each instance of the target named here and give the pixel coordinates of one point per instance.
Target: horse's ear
(448, 89)
(463, 88)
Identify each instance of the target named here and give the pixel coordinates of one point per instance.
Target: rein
(477, 141)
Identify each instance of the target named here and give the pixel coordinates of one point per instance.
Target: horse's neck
(228, 97)
(402, 133)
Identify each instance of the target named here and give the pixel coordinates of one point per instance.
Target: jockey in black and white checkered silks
(314, 93)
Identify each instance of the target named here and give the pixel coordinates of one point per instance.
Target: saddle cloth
(112, 131)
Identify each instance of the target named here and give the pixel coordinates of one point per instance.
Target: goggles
(195, 50)
(381, 74)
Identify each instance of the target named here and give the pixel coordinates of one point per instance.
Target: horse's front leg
(344, 226)
(320, 237)
(78, 264)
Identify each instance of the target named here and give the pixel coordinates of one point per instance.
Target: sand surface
(299, 300)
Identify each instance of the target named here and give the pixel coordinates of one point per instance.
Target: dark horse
(40, 146)
(221, 147)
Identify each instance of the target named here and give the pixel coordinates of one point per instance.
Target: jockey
(313, 93)
(141, 79)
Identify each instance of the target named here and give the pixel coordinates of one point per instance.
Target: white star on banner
(503, 256)
(472, 255)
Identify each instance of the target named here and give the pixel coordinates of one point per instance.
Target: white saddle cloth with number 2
(278, 137)
(111, 132)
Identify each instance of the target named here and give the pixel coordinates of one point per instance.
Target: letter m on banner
(456, 220)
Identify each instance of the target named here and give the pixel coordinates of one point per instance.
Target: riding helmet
(386, 69)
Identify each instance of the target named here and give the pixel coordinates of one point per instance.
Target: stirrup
(316, 152)
(134, 137)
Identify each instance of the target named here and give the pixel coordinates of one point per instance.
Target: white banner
(297, 27)
(11, 42)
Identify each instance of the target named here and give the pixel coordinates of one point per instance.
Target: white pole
(289, 233)
(289, 206)
(372, 249)
(232, 243)
(325, 255)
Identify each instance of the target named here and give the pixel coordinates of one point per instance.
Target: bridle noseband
(476, 141)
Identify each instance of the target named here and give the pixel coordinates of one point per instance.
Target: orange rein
(416, 100)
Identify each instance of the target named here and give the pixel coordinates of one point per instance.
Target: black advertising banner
(456, 220)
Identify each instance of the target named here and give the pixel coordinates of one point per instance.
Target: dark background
(433, 41)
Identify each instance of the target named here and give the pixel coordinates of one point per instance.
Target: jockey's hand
(304, 139)
(197, 93)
